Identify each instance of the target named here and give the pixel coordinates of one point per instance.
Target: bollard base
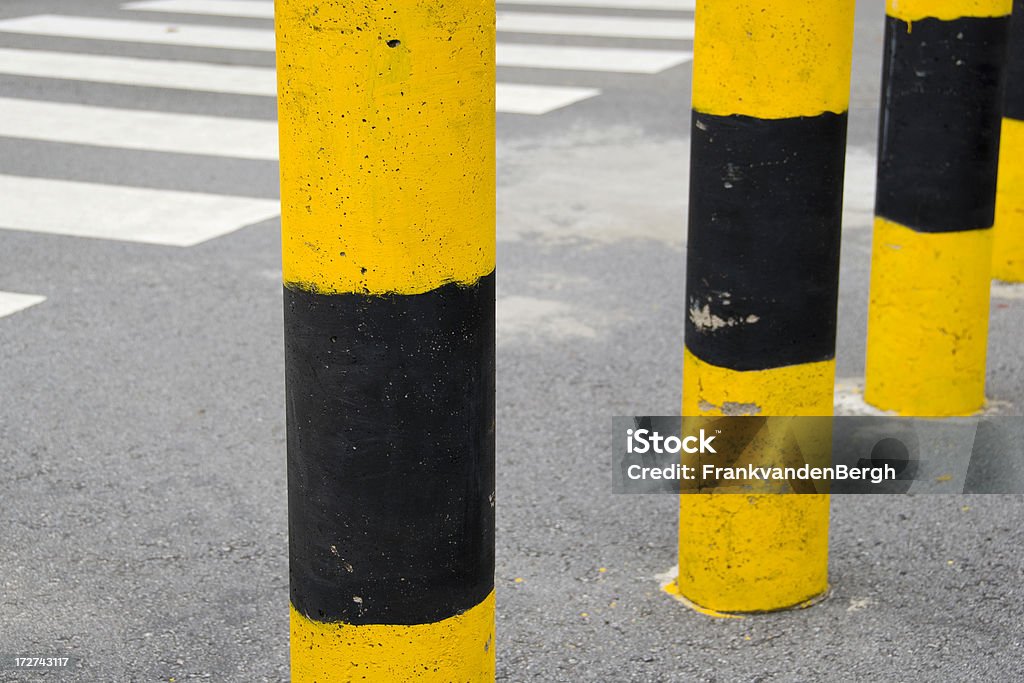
(671, 587)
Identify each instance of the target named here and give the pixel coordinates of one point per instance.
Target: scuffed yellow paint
(755, 553)
(760, 552)
(460, 648)
(913, 10)
(792, 390)
(772, 60)
(928, 320)
(1008, 237)
(386, 118)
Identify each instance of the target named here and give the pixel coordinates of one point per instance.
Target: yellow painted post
(1008, 233)
(771, 89)
(931, 257)
(386, 114)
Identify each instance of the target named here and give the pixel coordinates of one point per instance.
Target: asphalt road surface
(142, 479)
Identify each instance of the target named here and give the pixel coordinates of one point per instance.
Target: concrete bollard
(770, 96)
(386, 114)
(932, 253)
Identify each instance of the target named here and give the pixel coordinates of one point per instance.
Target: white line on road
(244, 80)
(254, 9)
(240, 80)
(538, 99)
(141, 32)
(619, 60)
(145, 130)
(1007, 290)
(12, 303)
(131, 214)
(264, 9)
(605, 27)
(516, 22)
(671, 5)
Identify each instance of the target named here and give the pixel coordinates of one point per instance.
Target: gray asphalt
(142, 480)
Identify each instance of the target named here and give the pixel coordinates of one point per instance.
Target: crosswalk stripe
(240, 80)
(511, 98)
(264, 9)
(618, 60)
(624, 60)
(253, 9)
(514, 98)
(133, 214)
(11, 302)
(516, 22)
(671, 5)
(141, 32)
(144, 130)
(605, 27)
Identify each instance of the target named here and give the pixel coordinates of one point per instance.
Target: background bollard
(771, 89)
(386, 116)
(932, 253)
(1008, 232)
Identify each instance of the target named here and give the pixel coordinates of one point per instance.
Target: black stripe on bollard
(764, 298)
(1008, 230)
(940, 124)
(393, 395)
(1013, 104)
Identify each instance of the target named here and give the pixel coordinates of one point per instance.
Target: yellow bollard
(770, 96)
(931, 258)
(386, 114)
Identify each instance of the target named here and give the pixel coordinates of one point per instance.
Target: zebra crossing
(174, 218)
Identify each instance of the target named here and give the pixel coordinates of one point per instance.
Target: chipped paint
(731, 408)
(804, 389)
(761, 552)
(703, 319)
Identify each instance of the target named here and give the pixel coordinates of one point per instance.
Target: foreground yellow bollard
(386, 113)
(1008, 233)
(931, 257)
(771, 89)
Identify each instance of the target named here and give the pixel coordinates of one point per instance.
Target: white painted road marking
(239, 80)
(516, 22)
(604, 27)
(619, 60)
(254, 9)
(538, 99)
(264, 9)
(142, 32)
(1007, 290)
(132, 214)
(11, 302)
(670, 5)
(144, 130)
